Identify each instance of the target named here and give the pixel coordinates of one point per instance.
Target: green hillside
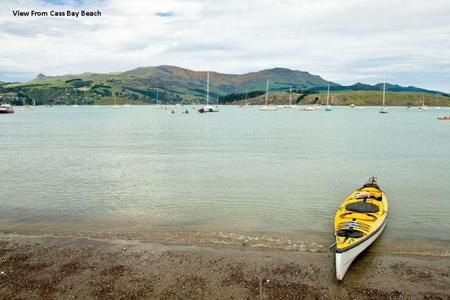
(362, 98)
(168, 84)
(375, 98)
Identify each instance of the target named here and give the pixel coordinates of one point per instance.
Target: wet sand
(68, 267)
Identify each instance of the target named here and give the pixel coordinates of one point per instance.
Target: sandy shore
(63, 267)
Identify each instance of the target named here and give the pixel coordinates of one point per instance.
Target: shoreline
(302, 241)
(66, 267)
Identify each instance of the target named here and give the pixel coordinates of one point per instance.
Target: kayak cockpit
(350, 233)
(362, 207)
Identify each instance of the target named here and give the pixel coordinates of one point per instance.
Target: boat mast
(328, 95)
(384, 90)
(290, 95)
(157, 95)
(207, 88)
(267, 89)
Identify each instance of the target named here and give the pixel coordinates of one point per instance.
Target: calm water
(239, 170)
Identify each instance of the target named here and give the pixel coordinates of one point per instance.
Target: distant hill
(376, 87)
(394, 98)
(360, 98)
(170, 84)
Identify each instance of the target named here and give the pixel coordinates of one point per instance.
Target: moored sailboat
(328, 108)
(423, 107)
(267, 107)
(207, 107)
(383, 109)
(290, 99)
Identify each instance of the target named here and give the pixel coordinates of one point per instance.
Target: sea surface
(238, 175)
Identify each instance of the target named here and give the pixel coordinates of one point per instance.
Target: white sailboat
(423, 107)
(207, 107)
(115, 104)
(328, 108)
(383, 109)
(290, 99)
(267, 107)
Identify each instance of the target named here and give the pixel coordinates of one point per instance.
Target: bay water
(239, 174)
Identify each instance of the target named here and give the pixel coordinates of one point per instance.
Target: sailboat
(25, 106)
(207, 107)
(115, 104)
(328, 108)
(246, 99)
(383, 109)
(290, 99)
(267, 107)
(423, 107)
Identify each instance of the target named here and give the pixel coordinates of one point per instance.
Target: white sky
(343, 41)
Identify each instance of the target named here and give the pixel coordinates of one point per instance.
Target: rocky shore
(65, 267)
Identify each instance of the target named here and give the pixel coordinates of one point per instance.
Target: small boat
(308, 108)
(359, 221)
(26, 107)
(352, 105)
(6, 109)
(267, 107)
(444, 118)
(208, 108)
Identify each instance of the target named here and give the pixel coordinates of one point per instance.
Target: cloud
(343, 41)
(165, 14)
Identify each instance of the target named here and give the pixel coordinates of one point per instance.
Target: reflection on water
(240, 170)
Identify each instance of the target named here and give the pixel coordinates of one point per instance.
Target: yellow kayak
(359, 221)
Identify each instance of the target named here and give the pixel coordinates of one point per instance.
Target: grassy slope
(174, 85)
(355, 97)
(375, 98)
(181, 85)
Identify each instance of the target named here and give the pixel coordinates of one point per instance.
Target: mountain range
(169, 84)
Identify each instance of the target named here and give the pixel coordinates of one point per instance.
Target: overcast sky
(343, 41)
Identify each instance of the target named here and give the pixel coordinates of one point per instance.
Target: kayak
(359, 221)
